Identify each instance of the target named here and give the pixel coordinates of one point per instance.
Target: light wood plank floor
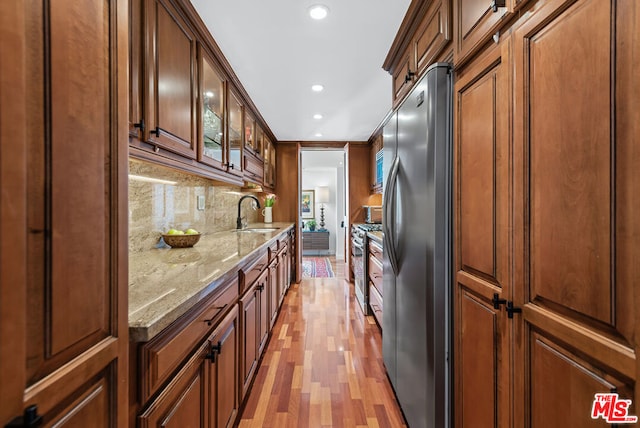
(323, 366)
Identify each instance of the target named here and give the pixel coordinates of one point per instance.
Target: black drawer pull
(210, 320)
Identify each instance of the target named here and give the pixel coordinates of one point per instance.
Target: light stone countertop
(376, 236)
(165, 283)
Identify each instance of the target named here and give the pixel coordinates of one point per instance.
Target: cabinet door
(211, 133)
(259, 142)
(403, 75)
(250, 317)
(172, 84)
(223, 383)
(249, 132)
(576, 229)
(273, 293)
(264, 320)
(64, 324)
(235, 135)
(184, 402)
(482, 333)
(136, 31)
(474, 23)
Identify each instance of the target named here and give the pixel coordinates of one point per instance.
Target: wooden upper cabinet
(423, 36)
(171, 79)
(269, 163)
(235, 133)
(249, 131)
(136, 121)
(212, 112)
(404, 73)
(259, 142)
(475, 23)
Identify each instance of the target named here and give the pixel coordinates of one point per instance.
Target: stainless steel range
(359, 262)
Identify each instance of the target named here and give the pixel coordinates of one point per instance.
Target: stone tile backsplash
(161, 198)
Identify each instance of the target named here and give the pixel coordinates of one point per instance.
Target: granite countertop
(165, 283)
(376, 236)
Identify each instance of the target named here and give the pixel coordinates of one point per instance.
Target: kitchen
(545, 166)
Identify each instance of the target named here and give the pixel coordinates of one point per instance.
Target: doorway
(323, 211)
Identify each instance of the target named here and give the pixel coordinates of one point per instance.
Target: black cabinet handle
(497, 301)
(261, 287)
(210, 320)
(213, 352)
(30, 418)
(512, 310)
(139, 125)
(155, 131)
(409, 76)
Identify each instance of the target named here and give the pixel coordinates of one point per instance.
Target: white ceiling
(277, 51)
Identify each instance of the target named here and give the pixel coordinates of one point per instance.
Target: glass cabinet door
(235, 134)
(212, 111)
(249, 131)
(259, 142)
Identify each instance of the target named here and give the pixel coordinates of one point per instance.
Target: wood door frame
(322, 147)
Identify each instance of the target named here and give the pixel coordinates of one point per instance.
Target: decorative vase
(268, 214)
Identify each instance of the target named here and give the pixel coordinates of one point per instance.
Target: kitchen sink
(258, 230)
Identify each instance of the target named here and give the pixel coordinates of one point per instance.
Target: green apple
(175, 232)
(191, 232)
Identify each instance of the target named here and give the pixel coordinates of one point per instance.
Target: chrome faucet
(239, 220)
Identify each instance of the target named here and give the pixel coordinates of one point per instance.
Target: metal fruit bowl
(181, 241)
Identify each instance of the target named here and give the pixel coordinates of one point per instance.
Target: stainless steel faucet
(239, 220)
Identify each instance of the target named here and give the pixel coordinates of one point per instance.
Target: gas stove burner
(373, 227)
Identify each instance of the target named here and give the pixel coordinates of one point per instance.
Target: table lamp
(322, 197)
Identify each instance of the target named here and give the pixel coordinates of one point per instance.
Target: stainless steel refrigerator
(416, 328)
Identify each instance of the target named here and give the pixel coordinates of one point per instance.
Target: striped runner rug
(316, 267)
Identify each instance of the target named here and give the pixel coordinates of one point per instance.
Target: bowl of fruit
(181, 239)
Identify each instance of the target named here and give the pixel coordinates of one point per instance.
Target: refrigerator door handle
(389, 217)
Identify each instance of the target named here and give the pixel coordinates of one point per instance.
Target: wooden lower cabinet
(225, 363)
(185, 401)
(255, 329)
(274, 295)
(204, 392)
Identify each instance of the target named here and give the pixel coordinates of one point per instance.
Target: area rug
(316, 267)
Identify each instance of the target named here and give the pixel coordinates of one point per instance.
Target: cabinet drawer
(375, 250)
(273, 250)
(163, 355)
(376, 303)
(252, 272)
(375, 273)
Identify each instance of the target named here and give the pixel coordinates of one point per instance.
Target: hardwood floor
(323, 366)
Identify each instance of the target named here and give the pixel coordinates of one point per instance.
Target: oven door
(357, 266)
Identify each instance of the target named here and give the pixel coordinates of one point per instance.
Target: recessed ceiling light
(318, 135)
(209, 94)
(318, 11)
(317, 116)
(317, 88)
